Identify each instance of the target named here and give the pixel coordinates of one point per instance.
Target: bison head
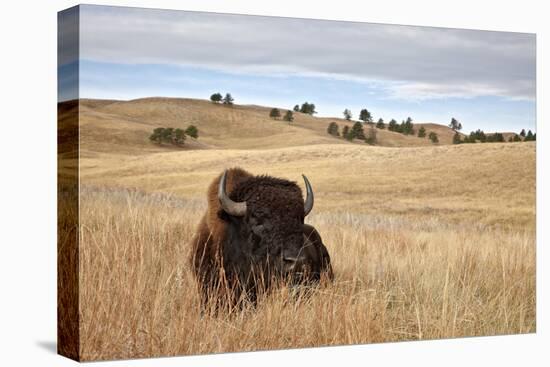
(266, 230)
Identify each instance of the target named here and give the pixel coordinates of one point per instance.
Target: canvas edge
(68, 320)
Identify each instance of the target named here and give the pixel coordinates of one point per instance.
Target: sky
(484, 79)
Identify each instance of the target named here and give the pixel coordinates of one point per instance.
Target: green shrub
(192, 131)
(422, 132)
(333, 129)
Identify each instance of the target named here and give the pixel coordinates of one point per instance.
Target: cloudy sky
(484, 79)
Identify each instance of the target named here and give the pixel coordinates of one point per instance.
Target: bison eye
(290, 260)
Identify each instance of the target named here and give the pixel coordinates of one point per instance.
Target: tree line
(276, 114)
(482, 137)
(169, 135)
(306, 107)
(218, 98)
(406, 127)
(355, 132)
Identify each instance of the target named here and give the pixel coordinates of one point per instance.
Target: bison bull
(253, 235)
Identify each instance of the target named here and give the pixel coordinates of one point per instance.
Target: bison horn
(308, 204)
(229, 206)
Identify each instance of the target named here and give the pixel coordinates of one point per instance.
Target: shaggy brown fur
(206, 254)
(229, 253)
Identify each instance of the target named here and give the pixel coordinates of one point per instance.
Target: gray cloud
(418, 62)
(67, 54)
(67, 35)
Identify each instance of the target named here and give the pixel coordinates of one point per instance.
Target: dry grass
(426, 241)
(493, 184)
(124, 127)
(433, 242)
(395, 280)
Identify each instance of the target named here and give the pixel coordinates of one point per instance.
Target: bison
(253, 235)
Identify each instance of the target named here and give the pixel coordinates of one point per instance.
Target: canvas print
(233, 183)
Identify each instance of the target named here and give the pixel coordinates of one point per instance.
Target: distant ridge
(124, 126)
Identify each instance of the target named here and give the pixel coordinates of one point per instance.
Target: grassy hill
(433, 241)
(124, 126)
(437, 181)
(425, 242)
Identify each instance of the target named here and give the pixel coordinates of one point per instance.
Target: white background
(28, 181)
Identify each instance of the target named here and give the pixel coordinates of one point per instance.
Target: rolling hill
(124, 127)
(426, 241)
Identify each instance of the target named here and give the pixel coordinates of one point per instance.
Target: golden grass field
(427, 241)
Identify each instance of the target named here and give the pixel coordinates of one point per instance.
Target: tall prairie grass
(427, 241)
(396, 278)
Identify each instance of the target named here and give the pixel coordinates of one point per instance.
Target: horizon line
(262, 106)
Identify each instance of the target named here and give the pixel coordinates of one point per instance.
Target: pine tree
(289, 116)
(433, 137)
(522, 133)
(422, 132)
(478, 135)
(380, 124)
(296, 108)
(392, 126)
(228, 99)
(365, 116)
(275, 113)
(399, 128)
(357, 131)
(455, 125)
(216, 97)
(347, 114)
(333, 129)
(308, 108)
(346, 134)
(407, 127)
